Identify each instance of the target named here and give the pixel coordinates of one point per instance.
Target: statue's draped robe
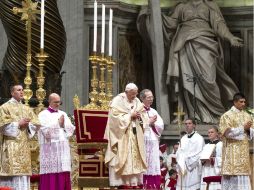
(192, 36)
(126, 152)
(235, 158)
(15, 155)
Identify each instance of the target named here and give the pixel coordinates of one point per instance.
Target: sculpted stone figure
(192, 35)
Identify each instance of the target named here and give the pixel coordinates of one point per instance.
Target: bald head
(54, 101)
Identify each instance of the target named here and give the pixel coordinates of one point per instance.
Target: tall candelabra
(41, 92)
(28, 10)
(101, 90)
(110, 64)
(93, 95)
(102, 83)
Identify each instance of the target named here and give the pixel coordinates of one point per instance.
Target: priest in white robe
(152, 176)
(18, 124)
(55, 154)
(187, 157)
(212, 167)
(236, 126)
(125, 153)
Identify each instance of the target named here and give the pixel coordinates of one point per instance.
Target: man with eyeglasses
(18, 123)
(55, 157)
(152, 133)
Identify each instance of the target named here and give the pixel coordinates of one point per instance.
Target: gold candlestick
(93, 95)
(110, 64)
(40, 92)
(28, 10)
(102, 83)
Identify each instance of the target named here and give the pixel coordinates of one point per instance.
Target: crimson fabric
(92, 122)
(34, 178)
(210, 179)
(55, 181)
(163, 148)
(172, 184)
(152, 181)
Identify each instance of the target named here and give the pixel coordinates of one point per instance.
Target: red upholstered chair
(211, 179)
(90, 128)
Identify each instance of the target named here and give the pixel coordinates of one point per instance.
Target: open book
(207, 152)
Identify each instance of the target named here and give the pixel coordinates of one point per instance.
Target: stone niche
(134, 60)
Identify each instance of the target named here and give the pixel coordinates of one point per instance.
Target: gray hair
(142, 94)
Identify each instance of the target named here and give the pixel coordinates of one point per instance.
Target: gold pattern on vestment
(15, 152)
(235, 157)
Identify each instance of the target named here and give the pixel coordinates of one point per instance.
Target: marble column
(75, 80)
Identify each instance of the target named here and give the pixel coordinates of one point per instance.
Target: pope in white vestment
(187, 157)
(125, 154)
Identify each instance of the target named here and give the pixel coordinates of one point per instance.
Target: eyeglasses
(57, 102)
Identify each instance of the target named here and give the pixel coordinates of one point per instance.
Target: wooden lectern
(90, 127)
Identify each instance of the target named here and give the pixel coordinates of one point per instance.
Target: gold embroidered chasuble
(15, 158)
(235, 153)
(125, 152)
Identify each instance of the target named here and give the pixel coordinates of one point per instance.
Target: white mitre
(131, 86)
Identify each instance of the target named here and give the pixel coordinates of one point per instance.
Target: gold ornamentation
(40, 92)
(102, 84)
(99, 100)
(93, 95)
(28, 10)
(76, 102)
(179, 115)
(110, 64)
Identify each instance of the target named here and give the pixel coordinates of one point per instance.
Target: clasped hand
(152, 120)
(61, 121)
(247, 125)
(24, 122)
(135, 115)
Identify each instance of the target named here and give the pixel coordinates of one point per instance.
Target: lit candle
(103, 29)
(42, 24)
(110, 32)
(95, 26)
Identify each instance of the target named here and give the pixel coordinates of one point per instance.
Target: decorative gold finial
(76, 102)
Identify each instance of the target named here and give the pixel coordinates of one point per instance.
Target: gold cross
(28, 10)
(179, 114)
